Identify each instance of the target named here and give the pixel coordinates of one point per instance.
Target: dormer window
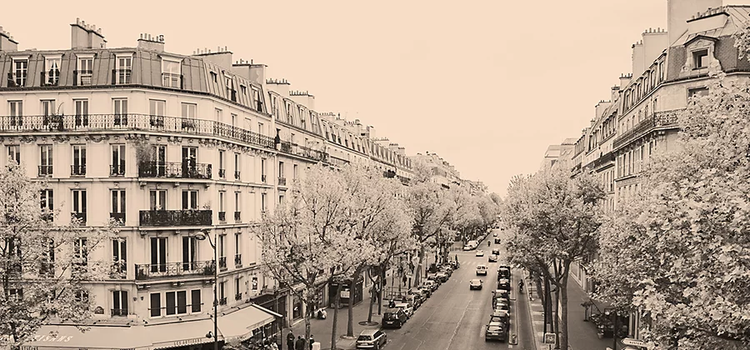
(17, 76)
(231, 92)
(171, 73)
(258, 101)
(214, 77)
(700, 59)
(51, 73)
(85, 70)
(124, 69)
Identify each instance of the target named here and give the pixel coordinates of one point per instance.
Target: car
(496, 331)
(501, 293)
(408, 309)
(447, 269)
(501, 304)
(394, 317)
(431, 284)
(414, 300)
(481, 270)
(480, 253)
(426, 291)
(442, 277)
(494, 234)
(492, 258)
(500, 316)
(475, 284)
(503, 271)
(497, 240)
(495, 251)
(434, 278)
(372, 339)
(503, 283)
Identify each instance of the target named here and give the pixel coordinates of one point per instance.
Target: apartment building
(187, 152)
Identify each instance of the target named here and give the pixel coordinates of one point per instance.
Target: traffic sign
(636, 342)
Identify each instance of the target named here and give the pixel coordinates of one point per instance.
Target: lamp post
(202, 236)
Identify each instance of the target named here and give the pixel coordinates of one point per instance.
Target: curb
(538, 345)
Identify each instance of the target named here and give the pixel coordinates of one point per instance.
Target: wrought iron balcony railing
(223, 301)
(238, 296)
(282, 181)
(129, 122)
(79, 216)
(237, 175)
(118, 270)
(119, 217)
(78, 170)
(119, 312)
(238, 260)
(222, 173)
(174, 269)
(184, 170)
(659, 119)
(263, 178)
(117, 170)
(45, 170)
(222, 263)
(82, 77)
(222, 216)
(237, 216)
(175, 217)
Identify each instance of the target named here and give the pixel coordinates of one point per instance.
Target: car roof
(368, 331)
(495, 323)
(480, 265)
(475, 280)
(503, 279)
(500, 313)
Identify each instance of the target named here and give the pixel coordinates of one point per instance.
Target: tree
(307, 240)
(428, 206)
(42, 266)
(679, 251)
(556, 220)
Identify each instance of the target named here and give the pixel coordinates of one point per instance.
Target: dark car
(498, 293)
(371, 339)
(500, 316)
(394, 318)
(495, 251)
(503, 272)
(442, 277)
(497, 240)
(425, 290)
(503, 284)
(496, 331)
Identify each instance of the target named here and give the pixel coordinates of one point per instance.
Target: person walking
(300, 344)
(311, 341)
(290, 341)
(520, 285)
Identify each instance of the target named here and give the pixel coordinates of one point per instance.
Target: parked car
(480, 253)
(408, 309)
(501, 304)
(394, 317)
(475, 284)
(503, 283)
(425, 290)
(496, 331)
(497, 240)
(503, 271)
(497, 293)
(481, 270)
(448, 269)
(492, 258)
(442, 277)
(371, 339)
(431, 284)
(414, 300)
(500, 316)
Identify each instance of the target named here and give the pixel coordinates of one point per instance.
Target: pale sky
(487, 85)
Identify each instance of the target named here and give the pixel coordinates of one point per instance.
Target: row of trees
(677, 252)
(338, 224)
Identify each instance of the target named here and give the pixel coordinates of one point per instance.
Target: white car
(481, 270)
(408, 310)
(480, 252)
(475, 284)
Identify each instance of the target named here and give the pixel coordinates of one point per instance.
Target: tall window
(16, 113)
(158, 199)
(189, 253)
(117, 161)
(190, 162)
(258, 102)
(79, 161)
(189, 113)
(155, 304)
(233, 119)
(700, 59)
(158, 254)
(14, 153)
(195, 300)
(48, 109)
(120, 257)
(263, 170)
(176, 303)
(157, 110)
(85, 70)
(222, 293)
(124, 69)
(237, 206)
(189, 199)
(263, 202)
(222, 168)
(80, 255)
(281, 170)
(45, 160)
(237, 288)
(79, 205)
(47, 268)
(20, 69)
(171, 73)
(117, 199)
(222, 251)
(120, 107)
(222, 206)
(237, 166)
(46, 198)
(218, 114)
(51, 74)
(82, 112)
(160, 160)
(119, 303)
(261, 129)
(294, 171)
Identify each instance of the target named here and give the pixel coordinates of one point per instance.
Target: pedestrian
(520, 285)
(300, 344)
(290, 341)
(311, 341)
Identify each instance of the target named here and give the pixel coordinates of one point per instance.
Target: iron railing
(222, 173)
(175, 269)
(79, 216)
(238, 296)
(223, 301)
(117, 170)
(659, 119)
(222, 263)
(118, 270)
(238, 260)
(237, 216)
(282, 181)
(119, 217)
(45, 170)
(263, 178)
(222, 216)
(237, 175)
(186, 217)
(119, 312)
(185, 170)
(78, 170)
(82, 77)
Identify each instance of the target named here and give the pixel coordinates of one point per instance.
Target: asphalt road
(455, 317)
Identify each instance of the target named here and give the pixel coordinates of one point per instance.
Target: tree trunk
(418, 273)
(337, 305)
(564, 301)
(352, 287)
(307, 316)
(373, 292)
(380, 290)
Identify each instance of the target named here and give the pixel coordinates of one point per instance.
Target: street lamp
(202, 235)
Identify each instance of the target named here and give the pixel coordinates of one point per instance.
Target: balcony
(222, 216)
(174, 269)
(223, 301)
(130, 122)
(118, 270)
(236, 175)
(238, 260)
(263, 178)
(222, 173)
(237, 216)
(117, 170)
(665, 119)
(78, 216)
(121, 76)
(51, 79)
(119, 217)
(175, 218)
(171, 80)
(182, 170)
(238, 296)
(222, 263)
(119, 312)
(282, 181)
(78, 170)
(16, 80)
(45, 170)
(82, 77)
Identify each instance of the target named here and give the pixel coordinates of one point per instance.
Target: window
(281, 199)
(281, 170)
(189, 199)
(222, 205)
(48, 109)
(120, 257)
(222, 293)
(237, 166)
(155, 305)
(120, 109)
(189, 113)
(14, 153)
(294, 171)
(214, 77)
(20, 69)
(158, 254)
(85, 70)
(237, 206)
(237, 288)
(157, 108)
(222, 169)
(195, 300)
(189, 253)
(117, 161)
(79, 161)
(231, 92)
(80, 255)
(254, 283)
(171, 74)
(234, 120)
(158, 199)
(45, 160)
(700, 59)
(190, 162)
(261, 129)
(119, 303)
(79, 205)
(16, 113)
(118, 206)
(15, 294)
(222, 252)
(47, 266)
(274, 105)
(124, 69)
(46, 197)
(263, 202)
(258, 102)
(82, 112)
(51, 74)
(263, 170)
(158, 165)
(698, 92)
(238, 250)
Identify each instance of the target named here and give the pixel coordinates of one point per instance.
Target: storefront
(349, 292)
(238, 326)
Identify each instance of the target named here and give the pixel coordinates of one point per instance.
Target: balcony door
(158, 254)
(160, 160)
(158, 199)
(189, 253)
(189, 162)
(189, 200)
(120, 106)
(82, 113)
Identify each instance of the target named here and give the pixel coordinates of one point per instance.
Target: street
(455, 317)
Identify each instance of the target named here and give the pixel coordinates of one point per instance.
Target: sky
(487, 85)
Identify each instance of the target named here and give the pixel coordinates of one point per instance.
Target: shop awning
(96, 337)
(241, 323)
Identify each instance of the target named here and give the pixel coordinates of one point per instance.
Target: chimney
(151, 43)
(624, 80)
(680, 11)
(600, 107)
(86, 36)
(639, 59)
(222, 57)
(654, 43)
(255, 72)
(280, 86)
(615, 93)
(6, 42)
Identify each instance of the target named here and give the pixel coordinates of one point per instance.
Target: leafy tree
(680, 249)
(430, 210)
(43, 267)
(556, 219)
